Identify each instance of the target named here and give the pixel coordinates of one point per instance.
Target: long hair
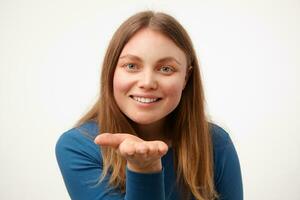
(191, 140)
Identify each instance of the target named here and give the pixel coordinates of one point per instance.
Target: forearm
(146, 186)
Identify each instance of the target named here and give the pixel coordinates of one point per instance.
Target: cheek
(174, 90)
(121, 84)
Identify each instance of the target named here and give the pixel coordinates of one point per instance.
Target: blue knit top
(80, 162)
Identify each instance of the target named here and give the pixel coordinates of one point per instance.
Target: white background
(50, 58)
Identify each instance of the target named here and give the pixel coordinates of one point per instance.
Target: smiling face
(149, 77)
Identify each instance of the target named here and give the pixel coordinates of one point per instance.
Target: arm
(80, 162)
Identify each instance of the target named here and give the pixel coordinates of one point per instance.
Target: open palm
(142, 156)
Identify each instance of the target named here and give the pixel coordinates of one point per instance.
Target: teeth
(145, 100)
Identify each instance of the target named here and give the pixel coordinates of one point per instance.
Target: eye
(130, 67)
(166, 69)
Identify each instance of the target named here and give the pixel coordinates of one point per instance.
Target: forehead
(152, 45)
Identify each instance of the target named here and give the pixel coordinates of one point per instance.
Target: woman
(149, 122)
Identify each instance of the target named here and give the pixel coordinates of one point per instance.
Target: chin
(145, 120)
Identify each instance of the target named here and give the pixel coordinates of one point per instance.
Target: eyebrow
(165, 59)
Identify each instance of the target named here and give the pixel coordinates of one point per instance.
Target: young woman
(149, 122)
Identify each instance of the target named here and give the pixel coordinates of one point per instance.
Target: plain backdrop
(50, 59)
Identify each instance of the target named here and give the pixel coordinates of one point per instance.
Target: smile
(144, 99)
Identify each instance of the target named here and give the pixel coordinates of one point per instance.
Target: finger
(111, 140)
(153, 148)
(162, 148)
(142, 148)
(127, 148)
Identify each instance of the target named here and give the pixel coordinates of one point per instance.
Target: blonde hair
(191, 140)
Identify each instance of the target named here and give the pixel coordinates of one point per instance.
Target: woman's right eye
(131, 67)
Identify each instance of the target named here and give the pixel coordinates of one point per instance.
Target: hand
(142, 156)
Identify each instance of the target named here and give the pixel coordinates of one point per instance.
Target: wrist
(153, 168)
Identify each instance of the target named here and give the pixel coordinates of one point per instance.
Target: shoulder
(220, 138)
(79, 141)
(85, 133)
(223, 146)
(224, 153)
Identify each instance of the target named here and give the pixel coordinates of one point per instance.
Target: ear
(187, 76)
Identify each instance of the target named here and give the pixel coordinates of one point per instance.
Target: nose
(148, 80)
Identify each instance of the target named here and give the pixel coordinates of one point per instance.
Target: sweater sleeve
(228, 178)
(80, 163)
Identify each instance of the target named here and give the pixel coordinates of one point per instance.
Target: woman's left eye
(166, 69)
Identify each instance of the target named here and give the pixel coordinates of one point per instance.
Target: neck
(154, 131)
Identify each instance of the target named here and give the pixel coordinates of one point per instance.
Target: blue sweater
(80, 162)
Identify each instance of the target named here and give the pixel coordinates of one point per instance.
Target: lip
(145, 105)
(145, 96)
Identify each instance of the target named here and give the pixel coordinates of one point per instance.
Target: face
(149, 77)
